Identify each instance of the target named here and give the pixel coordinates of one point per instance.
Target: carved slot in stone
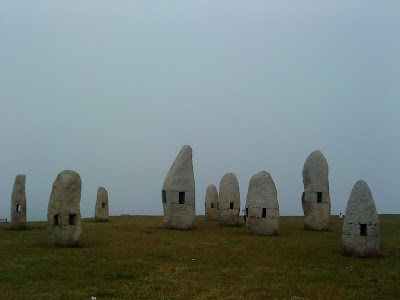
(247, 212)
(103, 205)
(181, 197)
(18, 207)
(363, 229)
(55, 218)
(212, 205)
(231, 205)
(72, 219)
(164, 196)
(319, 197)
(264, 213)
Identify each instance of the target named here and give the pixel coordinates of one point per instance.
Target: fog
(113, 90)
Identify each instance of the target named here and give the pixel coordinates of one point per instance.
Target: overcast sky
(114, 89)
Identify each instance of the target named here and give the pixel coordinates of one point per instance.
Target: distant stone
(18, 204)
(360, 235)
(101, 209)
(211, 203)
(262, 208)
(178, 193)
(63, 213)
(316, 199)
(228, 201)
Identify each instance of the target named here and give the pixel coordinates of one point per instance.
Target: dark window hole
(319, 197)
(363, 229)
(231, 205)
(264, 214)
(55, 218)
(18, 207)
(103, 205)
(164, 196)
(72, 219)
(181, 197)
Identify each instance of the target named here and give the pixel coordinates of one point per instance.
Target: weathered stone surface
(101, 208)
(178, 193)
(315, 199)
(211, 203)
(18, 203)
(228, 201)
(262, 208)
(63, 213)
(360, 235)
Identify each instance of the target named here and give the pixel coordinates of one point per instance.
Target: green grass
(136, 258)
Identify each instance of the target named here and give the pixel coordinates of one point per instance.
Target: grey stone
(211, 203)
(18, 203)
(228, 201)
(360, 235)
(178, 193)
(316, 199)
(101, 208)
(262, 208)
(63, 213)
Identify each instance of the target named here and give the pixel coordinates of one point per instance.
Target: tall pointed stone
(262, 208)
(315, 199)
(211, 203)
(63, 213)
(360, 235)
(18, 203)
(101, 208)
(228, 201)
(178, 193)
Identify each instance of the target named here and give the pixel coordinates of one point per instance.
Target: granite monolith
(315, 199)
(228, 201)
(211, 209)
(101, 208)
(178, 193)
(360, 234)
(262, 208)
(18, 203)
(63, 213)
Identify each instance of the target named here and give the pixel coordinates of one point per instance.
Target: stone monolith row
(63, 213)
(211, 204)
(101, 208)
(262, 208)
(315, 199)
(228, 201)
(18, 203)
(360, 235)
(178, 193)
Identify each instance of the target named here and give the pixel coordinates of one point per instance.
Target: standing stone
(262, 208)
(228, 201)
(101, 209)
(63, 213)
(315, 199)
(211, 203)
(178, 193)
(360, 235)
(18, 204)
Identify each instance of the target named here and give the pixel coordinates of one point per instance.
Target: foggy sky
(114, 89)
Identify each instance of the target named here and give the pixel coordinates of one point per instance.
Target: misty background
(114, 89)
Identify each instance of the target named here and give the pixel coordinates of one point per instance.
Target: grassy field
(134, 257)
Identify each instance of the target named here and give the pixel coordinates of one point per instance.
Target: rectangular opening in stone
(72, 219)
(319, 197)
(55, 220)
(247, 211)
(264, 214)
(231, 205)
(103, 205)
(363, 229)
(212, 205)
(18, 207)
(164, 196)
(181, 197)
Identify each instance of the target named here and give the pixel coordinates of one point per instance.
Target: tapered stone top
(101, 208)
(315, 172)
(229, 201)
(360, 235)
(211, 209)
(63, 213)
(316, 199)
(18, 203)
(262, 208)
(178, 193)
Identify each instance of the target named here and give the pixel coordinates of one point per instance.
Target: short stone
(211, 202)
(228, 201)
(18, 204)
(101, 208)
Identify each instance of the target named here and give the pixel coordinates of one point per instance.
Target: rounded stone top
(180, 176)
(262, 191)
(315, 172)
(229, 187)
(69, 177)
(211, 193)
(361, 205)
(101, 190)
